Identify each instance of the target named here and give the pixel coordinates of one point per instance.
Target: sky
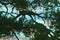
(38, 10)
(21, 34)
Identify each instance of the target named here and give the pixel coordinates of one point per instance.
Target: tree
(25, 7)
(57, 25)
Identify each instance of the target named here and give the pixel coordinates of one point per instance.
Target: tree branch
(15, 35)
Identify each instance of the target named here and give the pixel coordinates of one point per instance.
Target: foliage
(25, 7)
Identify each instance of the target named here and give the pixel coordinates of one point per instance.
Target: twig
(15, 35)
